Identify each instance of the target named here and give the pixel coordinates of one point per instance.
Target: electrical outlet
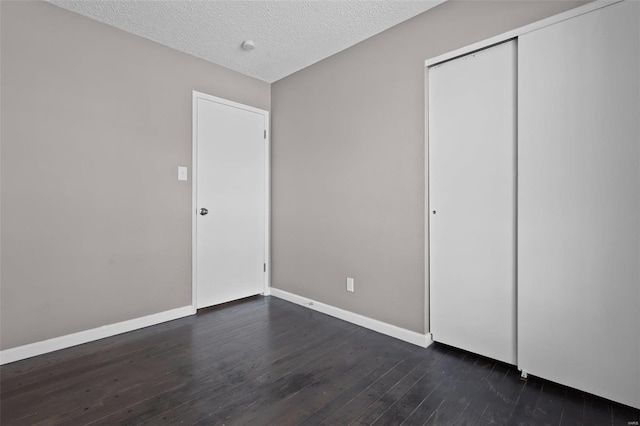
(350, 284)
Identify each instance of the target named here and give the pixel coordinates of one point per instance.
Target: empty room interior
(320, 212)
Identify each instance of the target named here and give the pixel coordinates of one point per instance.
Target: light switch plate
(182, 173)
(350, 284)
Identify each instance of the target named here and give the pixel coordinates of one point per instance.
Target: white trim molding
(50, 345)
(422, 340)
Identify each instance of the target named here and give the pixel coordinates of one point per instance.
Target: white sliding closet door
(472, 128)
(578, 191)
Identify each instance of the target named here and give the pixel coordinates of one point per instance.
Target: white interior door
(230, 146)
(472, 146)
(579, 195)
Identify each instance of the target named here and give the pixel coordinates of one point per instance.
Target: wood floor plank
(436, 385)
(455, 403)
(226, 380)
(264, 361)
(573, 408)
(258, 403)
(473, 392)
(524, 410)
(323, 391)
(341, 399)
(408, 402)
(447, 376)
(358, 406)
(390, 402)
(549, 406)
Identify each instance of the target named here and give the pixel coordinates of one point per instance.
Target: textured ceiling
(289, 35)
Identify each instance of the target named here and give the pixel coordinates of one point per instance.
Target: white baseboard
(62, 342)
(57, 343)
(422, 340)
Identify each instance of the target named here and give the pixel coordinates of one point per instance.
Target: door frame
(194, 188)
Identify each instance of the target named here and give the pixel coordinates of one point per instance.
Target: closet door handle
(204, 211)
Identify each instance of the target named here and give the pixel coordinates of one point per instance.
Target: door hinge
(265, 134)
(265, 267)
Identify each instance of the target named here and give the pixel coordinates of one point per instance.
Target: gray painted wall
(96, 228)
(348, 189)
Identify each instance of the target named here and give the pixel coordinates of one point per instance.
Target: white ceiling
(289, 35)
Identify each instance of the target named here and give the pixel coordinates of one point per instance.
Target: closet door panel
(578, 203)
(472, 202)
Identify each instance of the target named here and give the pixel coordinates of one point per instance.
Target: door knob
(203, 211)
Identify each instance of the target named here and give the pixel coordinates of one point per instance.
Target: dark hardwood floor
(264, 361)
